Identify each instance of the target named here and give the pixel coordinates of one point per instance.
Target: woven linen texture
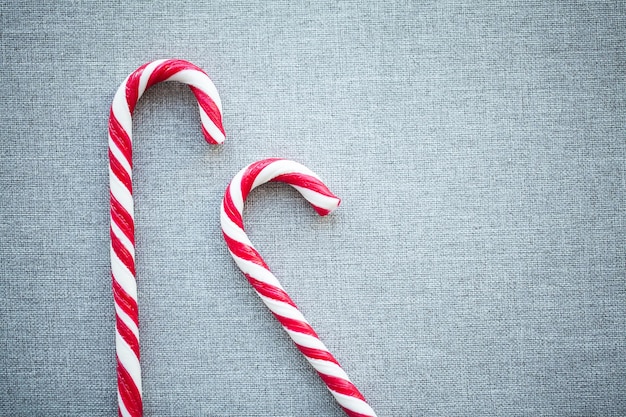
(475, 266)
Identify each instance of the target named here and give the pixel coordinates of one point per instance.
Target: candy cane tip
(214, 141)
(214, 137)
(325, 211)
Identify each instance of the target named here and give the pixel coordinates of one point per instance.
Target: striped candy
(266, 284)
(122, 225)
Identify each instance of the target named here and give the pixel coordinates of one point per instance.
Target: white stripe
(122, 406)
(122, 237)
(235, 190)
(127, 320)
(115, 150)
(306, 340)
(328, 368)
(210, 127)
(283, 309)
(121, 193)
(121, 111)
(317, 199)
(123, 276)
(145, 76)
(280, 167)
(353, 404)
(256, 271)
(128, 359)
(199, 80)
(233, 230)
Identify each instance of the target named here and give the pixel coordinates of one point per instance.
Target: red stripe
(168, 69)
(317, 354)
(308, 182)
(122, 253)
(127, 335)
(122, 219)
(209, 106)
(305, 181)
(296, 325)
(341, 386)
(132, 87)
(245, 252)
(120, 172)
(231, 211)
(120, 138)
(208, 137)
(251, 173)
(270, 291)
(319, 210)
(128, 391)
(125, 302)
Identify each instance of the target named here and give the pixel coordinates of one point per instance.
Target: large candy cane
(122, 225)
(266, 284)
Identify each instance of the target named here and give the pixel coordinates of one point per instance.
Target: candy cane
(266, 284)
(122, 225)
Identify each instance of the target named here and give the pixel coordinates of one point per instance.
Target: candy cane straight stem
(122, 224)
(266, 284)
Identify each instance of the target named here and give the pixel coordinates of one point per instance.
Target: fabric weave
(476, 265)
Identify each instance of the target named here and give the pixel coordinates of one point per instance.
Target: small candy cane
(122, 224)
(266, 284)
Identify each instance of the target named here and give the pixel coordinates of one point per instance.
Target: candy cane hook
(266, 284)
(122, 224)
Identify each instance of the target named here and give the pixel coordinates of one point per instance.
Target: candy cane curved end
(122, 218)
(267, 285)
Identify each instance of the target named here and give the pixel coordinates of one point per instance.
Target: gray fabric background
(475, 267)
